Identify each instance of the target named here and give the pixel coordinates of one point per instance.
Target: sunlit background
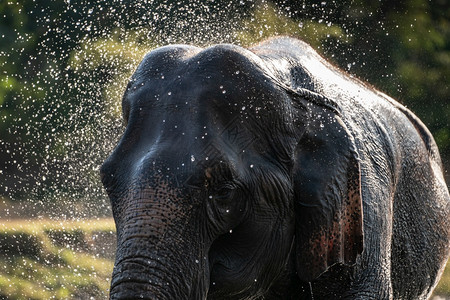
(64, 66)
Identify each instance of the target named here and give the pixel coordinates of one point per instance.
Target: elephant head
(228, 180)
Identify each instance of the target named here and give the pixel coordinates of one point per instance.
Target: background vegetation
(56, 259)
(64, 65)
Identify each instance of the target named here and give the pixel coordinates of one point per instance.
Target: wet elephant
(267, 173)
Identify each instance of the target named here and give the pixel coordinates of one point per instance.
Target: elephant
(268, 173)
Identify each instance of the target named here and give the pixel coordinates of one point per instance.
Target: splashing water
(62, 114)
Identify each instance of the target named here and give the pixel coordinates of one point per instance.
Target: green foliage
(422, 62)
(267, 21)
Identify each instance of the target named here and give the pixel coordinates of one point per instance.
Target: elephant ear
(327, 195)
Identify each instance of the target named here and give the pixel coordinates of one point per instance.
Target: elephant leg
(374, 286)
(343, 282)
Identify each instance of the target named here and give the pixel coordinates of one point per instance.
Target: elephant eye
(224, 191)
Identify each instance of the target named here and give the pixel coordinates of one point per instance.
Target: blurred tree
(267, 21)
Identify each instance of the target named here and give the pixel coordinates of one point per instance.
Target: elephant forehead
(219, 93)
(171, 63)
(222, 78)
(226, 57)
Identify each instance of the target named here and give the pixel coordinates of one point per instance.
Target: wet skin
(266, 173)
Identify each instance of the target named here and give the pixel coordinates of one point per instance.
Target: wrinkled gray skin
(267, 173)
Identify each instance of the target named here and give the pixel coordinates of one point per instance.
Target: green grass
(56, 259)
(443, 288)
(42, 259)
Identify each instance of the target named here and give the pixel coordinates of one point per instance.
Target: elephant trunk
(170, 272)
(155, 278)
(159, 254)
(137, 278)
